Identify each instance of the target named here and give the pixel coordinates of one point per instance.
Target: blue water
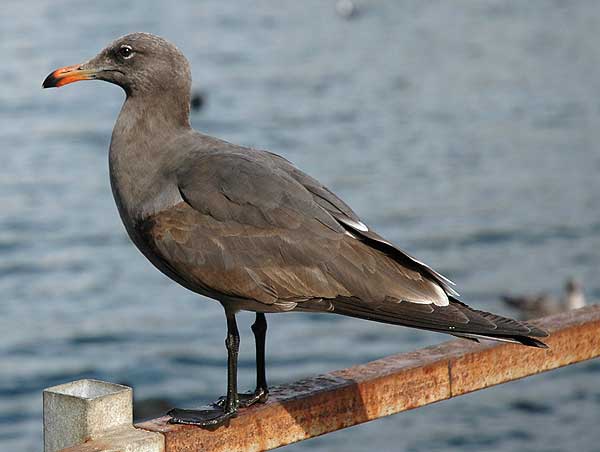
(465, 131)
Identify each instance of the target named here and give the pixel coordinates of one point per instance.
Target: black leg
(261, 393)
(233, 347)
(259, 328)
(217, 415)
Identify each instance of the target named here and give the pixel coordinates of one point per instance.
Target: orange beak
(66, 75)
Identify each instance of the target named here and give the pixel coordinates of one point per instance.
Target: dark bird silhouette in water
(197, 101)
(249, 229)
(540, 305)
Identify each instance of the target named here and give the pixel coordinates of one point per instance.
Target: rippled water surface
(465, 131)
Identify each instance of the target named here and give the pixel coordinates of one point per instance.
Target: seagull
(247, 228)
(534, 306)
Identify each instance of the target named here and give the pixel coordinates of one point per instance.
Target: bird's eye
(125, 51)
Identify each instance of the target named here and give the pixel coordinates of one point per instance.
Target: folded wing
(251, 226)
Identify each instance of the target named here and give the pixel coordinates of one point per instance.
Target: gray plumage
(248, 228)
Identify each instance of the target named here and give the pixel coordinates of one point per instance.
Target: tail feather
(457, 319)
(523, 340)
(504, 325)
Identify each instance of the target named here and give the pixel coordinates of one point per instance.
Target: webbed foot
(207, 417)
(260, 395)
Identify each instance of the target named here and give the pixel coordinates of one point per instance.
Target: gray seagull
(249, 229)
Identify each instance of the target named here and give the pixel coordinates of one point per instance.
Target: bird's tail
(456, 318)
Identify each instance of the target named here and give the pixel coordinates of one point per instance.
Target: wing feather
(247, 227)
(250, 226)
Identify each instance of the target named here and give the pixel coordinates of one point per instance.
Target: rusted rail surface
(397, 383)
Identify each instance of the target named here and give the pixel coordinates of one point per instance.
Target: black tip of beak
(50, 81)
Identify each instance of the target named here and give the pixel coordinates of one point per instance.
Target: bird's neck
(151, 114)
(141, 152)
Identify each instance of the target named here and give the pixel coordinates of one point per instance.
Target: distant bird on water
(249, 229)
(346, 9)
(197, 101)
(540, 305)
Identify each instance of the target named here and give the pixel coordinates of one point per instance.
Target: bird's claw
(245, 400)
(209, 417)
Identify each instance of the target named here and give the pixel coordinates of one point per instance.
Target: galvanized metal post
(82, 410)
(88, 410)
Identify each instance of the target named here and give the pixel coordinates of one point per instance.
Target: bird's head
(140, 63)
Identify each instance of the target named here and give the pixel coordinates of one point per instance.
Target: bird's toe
(245, 400)
(209, 417)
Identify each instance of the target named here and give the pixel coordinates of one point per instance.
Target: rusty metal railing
(344, 398)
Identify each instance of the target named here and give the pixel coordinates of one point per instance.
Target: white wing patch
(441, 299)
(437, 274)
(358, 225)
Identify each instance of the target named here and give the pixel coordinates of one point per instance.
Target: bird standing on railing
(249, 229)
(534, 306)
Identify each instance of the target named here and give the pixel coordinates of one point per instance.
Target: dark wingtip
(531, 342)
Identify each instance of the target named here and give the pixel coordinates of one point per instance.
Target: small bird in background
(346, 9)
(540, 305)
(197, 101)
